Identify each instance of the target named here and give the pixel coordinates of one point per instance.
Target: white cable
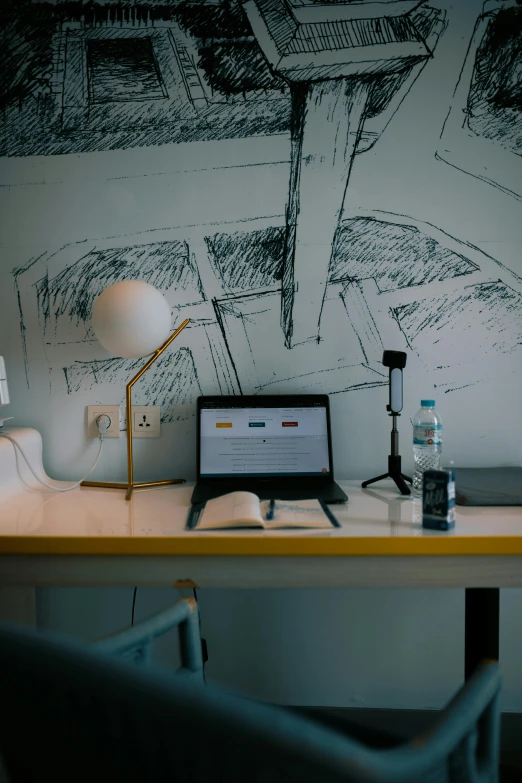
(16, 445)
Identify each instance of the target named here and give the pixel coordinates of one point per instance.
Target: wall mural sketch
(165, 265)
(303, 301)
(470, 325)
(380, 261)
(55, 295)
(110, 75)
(335, 58)
(173, 383)
(81, 77)
(482, 134)
(391, 277)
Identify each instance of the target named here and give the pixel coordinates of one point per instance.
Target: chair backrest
(70, 713)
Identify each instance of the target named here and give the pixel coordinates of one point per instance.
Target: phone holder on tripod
(396, 361)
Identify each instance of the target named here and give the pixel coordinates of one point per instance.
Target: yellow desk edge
(438, 544)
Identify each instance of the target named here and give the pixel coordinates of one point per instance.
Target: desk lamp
(130, 319)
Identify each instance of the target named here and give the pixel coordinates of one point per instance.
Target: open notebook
(244, 509)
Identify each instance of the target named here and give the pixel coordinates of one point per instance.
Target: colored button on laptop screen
(289, 423)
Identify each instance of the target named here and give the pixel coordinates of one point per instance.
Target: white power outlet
(112, 411)
(146, 421)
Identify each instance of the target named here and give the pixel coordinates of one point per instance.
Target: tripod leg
(407, 478)
(401, 484)
(373, 480)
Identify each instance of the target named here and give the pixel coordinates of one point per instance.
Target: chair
(70, 713)
(136, 643)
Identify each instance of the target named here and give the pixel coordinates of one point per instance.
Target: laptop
(488, 486)
(275, 446)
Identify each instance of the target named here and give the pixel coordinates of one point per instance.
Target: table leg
(481, 627)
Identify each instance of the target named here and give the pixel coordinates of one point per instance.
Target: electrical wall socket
(146, 421)
(113, 411)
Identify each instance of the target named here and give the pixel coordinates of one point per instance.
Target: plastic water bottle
(427, 442)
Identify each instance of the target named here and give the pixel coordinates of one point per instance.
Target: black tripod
(394, 463)
(396, 361)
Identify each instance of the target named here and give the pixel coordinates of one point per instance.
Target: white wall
(367, 648)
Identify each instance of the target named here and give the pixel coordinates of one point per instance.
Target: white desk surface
(101, 521)
(95, 536)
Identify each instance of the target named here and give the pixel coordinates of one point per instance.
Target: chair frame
(136, 643)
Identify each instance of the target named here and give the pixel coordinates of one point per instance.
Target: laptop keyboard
(329, 492)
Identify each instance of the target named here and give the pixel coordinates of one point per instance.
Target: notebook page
(237, 509)
(295, 513)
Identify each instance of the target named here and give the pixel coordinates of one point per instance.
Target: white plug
(93, 414)
(103, 422)
(4, 391)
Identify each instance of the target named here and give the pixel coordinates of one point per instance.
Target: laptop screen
(263, 438)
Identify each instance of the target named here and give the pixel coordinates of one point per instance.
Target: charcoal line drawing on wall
(301, 301)
(56, 292)
(391, 278)
(343, 63)
(339, 68)
(482, 134)
(99, 76)
(173, 383)
(479, 314)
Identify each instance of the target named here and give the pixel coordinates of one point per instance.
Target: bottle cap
(427, 403)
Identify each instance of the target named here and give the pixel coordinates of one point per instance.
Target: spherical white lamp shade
(131, 319)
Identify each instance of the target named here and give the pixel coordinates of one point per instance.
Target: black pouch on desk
(488, 486)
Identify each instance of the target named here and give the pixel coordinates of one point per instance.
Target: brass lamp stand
(131, 484)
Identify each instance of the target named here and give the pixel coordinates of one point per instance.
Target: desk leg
(18, 605)
(482, 625)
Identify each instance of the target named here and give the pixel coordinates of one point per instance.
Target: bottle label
(427, 434)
